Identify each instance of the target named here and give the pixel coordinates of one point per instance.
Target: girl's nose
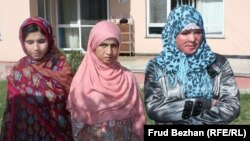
(192, 37)
(36, 46)
(108, 49)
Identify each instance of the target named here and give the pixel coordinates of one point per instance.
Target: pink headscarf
(102, 92)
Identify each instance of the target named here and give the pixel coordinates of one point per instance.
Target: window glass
(44, 9)
(75, 19)
(88, 17)
(67, 11)
(157, 14)
(69, 38)
(213, 24)
(175, 3)
(157, 11)
(84, 36)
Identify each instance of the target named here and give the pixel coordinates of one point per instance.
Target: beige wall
(237, 29)
(12, 14)
(119, 10)
(143, 44)
(235, 42)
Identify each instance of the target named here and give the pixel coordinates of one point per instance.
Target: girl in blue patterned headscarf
(190, 71)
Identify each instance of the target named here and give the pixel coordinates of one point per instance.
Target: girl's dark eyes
(185, 32)
(197, 32)
(190, 31)
(106, 45)
(41, 41)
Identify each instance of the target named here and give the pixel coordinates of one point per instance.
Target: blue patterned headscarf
(189, 71)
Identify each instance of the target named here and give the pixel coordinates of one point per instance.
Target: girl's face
(188, 41)
(108, 51)
(36, 45)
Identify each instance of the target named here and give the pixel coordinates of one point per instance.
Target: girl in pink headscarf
(105, 100)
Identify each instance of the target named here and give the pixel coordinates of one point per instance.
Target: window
(157, 13)
(214, 25)
(44, 9)
(75, 20)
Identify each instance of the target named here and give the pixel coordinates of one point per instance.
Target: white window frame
(154, 24)
(206, 25)
(168, 5)
(77, 25)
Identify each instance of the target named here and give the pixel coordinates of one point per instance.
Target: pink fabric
(102, 92)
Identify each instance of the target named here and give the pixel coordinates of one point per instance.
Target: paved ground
(137, 64)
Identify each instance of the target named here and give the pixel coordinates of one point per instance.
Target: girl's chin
(188, 53)
(37, 58)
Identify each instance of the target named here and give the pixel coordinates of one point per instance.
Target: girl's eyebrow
(190, 30)
(108, 44)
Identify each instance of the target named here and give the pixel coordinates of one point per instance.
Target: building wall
(235, 42)
(143, 44)
(119, 10)
(237, 29)
(12, 14)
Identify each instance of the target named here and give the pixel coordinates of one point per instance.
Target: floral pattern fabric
(114, 130)
(36, 107)
(37, 93)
